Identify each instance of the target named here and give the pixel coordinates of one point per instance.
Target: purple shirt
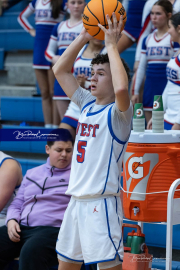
(41, 199)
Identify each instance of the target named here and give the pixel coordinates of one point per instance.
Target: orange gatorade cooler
(151, 164)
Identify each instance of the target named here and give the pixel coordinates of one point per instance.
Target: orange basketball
(95, 12)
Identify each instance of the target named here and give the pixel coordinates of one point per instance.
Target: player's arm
(10, 177)
(62, 68)
(119, 76)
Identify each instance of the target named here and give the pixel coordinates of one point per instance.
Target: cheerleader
(171, 94)
(147, 26)
(47, 14)
(157, 49)
(62, 36)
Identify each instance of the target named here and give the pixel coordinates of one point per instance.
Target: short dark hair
(166, 5)
(103, 58)
(175, 19)
(63, 135)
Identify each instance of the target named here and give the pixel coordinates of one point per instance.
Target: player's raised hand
(86, 35)
(113, 34)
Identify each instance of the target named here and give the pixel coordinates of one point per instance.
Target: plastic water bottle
(138, 118)
(158, 115)
(129, 238)
(138, 243)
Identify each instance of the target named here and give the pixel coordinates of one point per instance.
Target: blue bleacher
(12, 36)
(21, 109)
(161, 264)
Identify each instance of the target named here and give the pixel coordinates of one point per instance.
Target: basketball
(95, 12)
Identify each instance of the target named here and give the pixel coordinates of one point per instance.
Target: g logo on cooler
(155, 105)
(139, 112)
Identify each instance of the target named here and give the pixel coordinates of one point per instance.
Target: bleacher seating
(161, 264)
(12, 36)
(22, 109)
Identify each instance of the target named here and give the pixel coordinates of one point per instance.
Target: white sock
(55, 126)
(48, 126)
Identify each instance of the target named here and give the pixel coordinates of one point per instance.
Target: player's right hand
(85, 34)
(135, 99)
(13, 230)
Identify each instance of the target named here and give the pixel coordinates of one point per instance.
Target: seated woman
(35, 216)
(10, 180)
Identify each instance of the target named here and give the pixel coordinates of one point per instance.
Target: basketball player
(91, 230)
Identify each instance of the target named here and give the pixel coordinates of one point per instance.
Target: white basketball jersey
(97, 157)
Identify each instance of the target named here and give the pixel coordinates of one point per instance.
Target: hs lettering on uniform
(41, 13)
(67, 36)
(86, 130)
(158, 51)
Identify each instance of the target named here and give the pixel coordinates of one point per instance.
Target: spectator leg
(38, 251)
(43, 82)
(8, 249)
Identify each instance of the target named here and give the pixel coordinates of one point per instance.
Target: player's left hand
(113, 34)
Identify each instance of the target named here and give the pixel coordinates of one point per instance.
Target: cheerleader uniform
(171, 94)
(62, 36)
(44, 25)
(156, 54)
(147, 26)
(134, 9)
(82, 65)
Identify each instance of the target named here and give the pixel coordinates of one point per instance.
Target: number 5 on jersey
(81, 150)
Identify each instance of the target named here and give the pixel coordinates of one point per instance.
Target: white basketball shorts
(91, 231)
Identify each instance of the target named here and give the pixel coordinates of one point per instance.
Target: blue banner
(28, 134)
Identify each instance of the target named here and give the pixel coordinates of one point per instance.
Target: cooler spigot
(136, 210)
